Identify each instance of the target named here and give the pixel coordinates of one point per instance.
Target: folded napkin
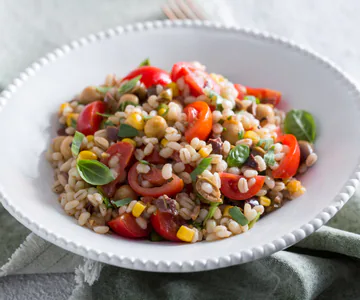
(324, 266)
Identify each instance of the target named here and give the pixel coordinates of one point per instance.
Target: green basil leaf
(301, 124)
(108, 123)
(238, 216)
(252, 98)
(145, 62)
(94, 172)
(106, 200)
(269, 157)
(128, 86)
(162, 105)
(123, 105)
(155, 237)
(103, 115)
(252, 223)
(241, 135)
(197, 225)
(121, 202)
(211, 212)
(103, 89)
(73, 123)
(76, 143)
(126, 130)
(147, 117)
(144, 162)
(215, 99)
(265, 143)
(238, 155)
(205, 162)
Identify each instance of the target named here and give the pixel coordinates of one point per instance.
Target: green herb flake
(145, 62)
(144, 162)
(155, 237)
(76, 143)
(122, 202)
(94, 172)
(238, 155)
(146, 118)
(73, 123)
(108, 123)
(197, 225)
(252, 223)
(211, 212)
(103, 89)
(301, 124)
(128, 86)
(238, 216)
(123, 105)
(269, 157)
(252, 98)
(127, 131)
(162, 105)
(265, 143)
(103, 115)
(241, 135)
(215, 99)
(200, 168)
(106, 200)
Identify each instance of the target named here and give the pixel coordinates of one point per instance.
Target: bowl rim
(221, 261)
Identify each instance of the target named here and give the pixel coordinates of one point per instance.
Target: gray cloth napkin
(323, 266)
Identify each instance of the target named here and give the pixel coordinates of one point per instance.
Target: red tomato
(199, 119)
(124, 151)
(170, 188)
(265, 95)
(150, 76)
(241, 89)
(155, 158)
(196, 78)
(89, 121)
(166, 224)
(154, 176)
(229, 186)
(290, 163)
(126, 226)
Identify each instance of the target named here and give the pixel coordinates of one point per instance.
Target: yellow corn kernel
(185, 234)
(130, 141)
(90, 138)
(162, 111)
(174, 88)
(86, 154)
(135, 120)
(138, 209)
(63, 106)
(205, 151)
(164, 142)
(252, 135)
(265, 201)
(70, 117)
(294, 186)
(218, 78)
(226, 210)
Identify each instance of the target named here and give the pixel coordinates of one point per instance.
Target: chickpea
(265, 111)
(231, 130)
(89, 94)
(155, 127)
(129, 98)
(125, 191)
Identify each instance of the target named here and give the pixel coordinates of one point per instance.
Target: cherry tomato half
(124, 151)
(265, 95)
(126, 226)
(89, 121)
(154, 176)
(229, 186)
(241, 89)
(199, 119)
(155, 158)
(150, 76)
(166, 225)
(196, 78)
(290, 163)
(170, 188)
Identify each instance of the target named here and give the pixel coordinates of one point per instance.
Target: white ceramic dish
(28, 122)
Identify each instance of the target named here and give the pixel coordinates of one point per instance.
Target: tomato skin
(166, 225)
(154, 176)
(265, 95)
(241, 89)
(155, 158)
(229, 186)
(199, 118)
(196, 78)
(170, 188)
(89, 121)
(150, 76)
(290, 163)
(126, 226)
(124, 151)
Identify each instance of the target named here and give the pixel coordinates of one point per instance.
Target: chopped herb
(224, 129)
(144, 162)
(94, 172)
(147, 117)
(108, 123)
(215, 99)
(76, 143)
(211, 212)
(73, 123)
(128, 86)
(238, 155)
(103, 89)
(241, 135)
(145, 62)
(106, 200)
(301, 124)
(229, 118)
(238, 216)
(252, 98)
(155, 237)
(121, 202)
(200, 168)
(269, 157)
(252, 223)
(197, 225)
(126, 130)
(265, 143)
(126, 103)
(103, 115)
(170, 179)
(163, 106)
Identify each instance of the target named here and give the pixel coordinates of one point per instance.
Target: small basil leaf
(155, 237)
(128, 86)
(94, 172)
(215, 99)
(200, 168)
(145, 62)
(126, 130)
(103, 115)
(162, 105)
(269, 157)
(76, 143)
(252, 98)
(106, 200)
(108, 123)
(238, 216)
(144, 162)
(123, 105)
(103, 89)
(252, 223)
(121, 202)
(241, 135)
(73, 123)
(238, 155)
(265, 143)
(301, 124)
(211, 212)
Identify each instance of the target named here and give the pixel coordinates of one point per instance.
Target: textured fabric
(324, 266)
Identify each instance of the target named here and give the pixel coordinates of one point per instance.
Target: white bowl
(28, 122)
